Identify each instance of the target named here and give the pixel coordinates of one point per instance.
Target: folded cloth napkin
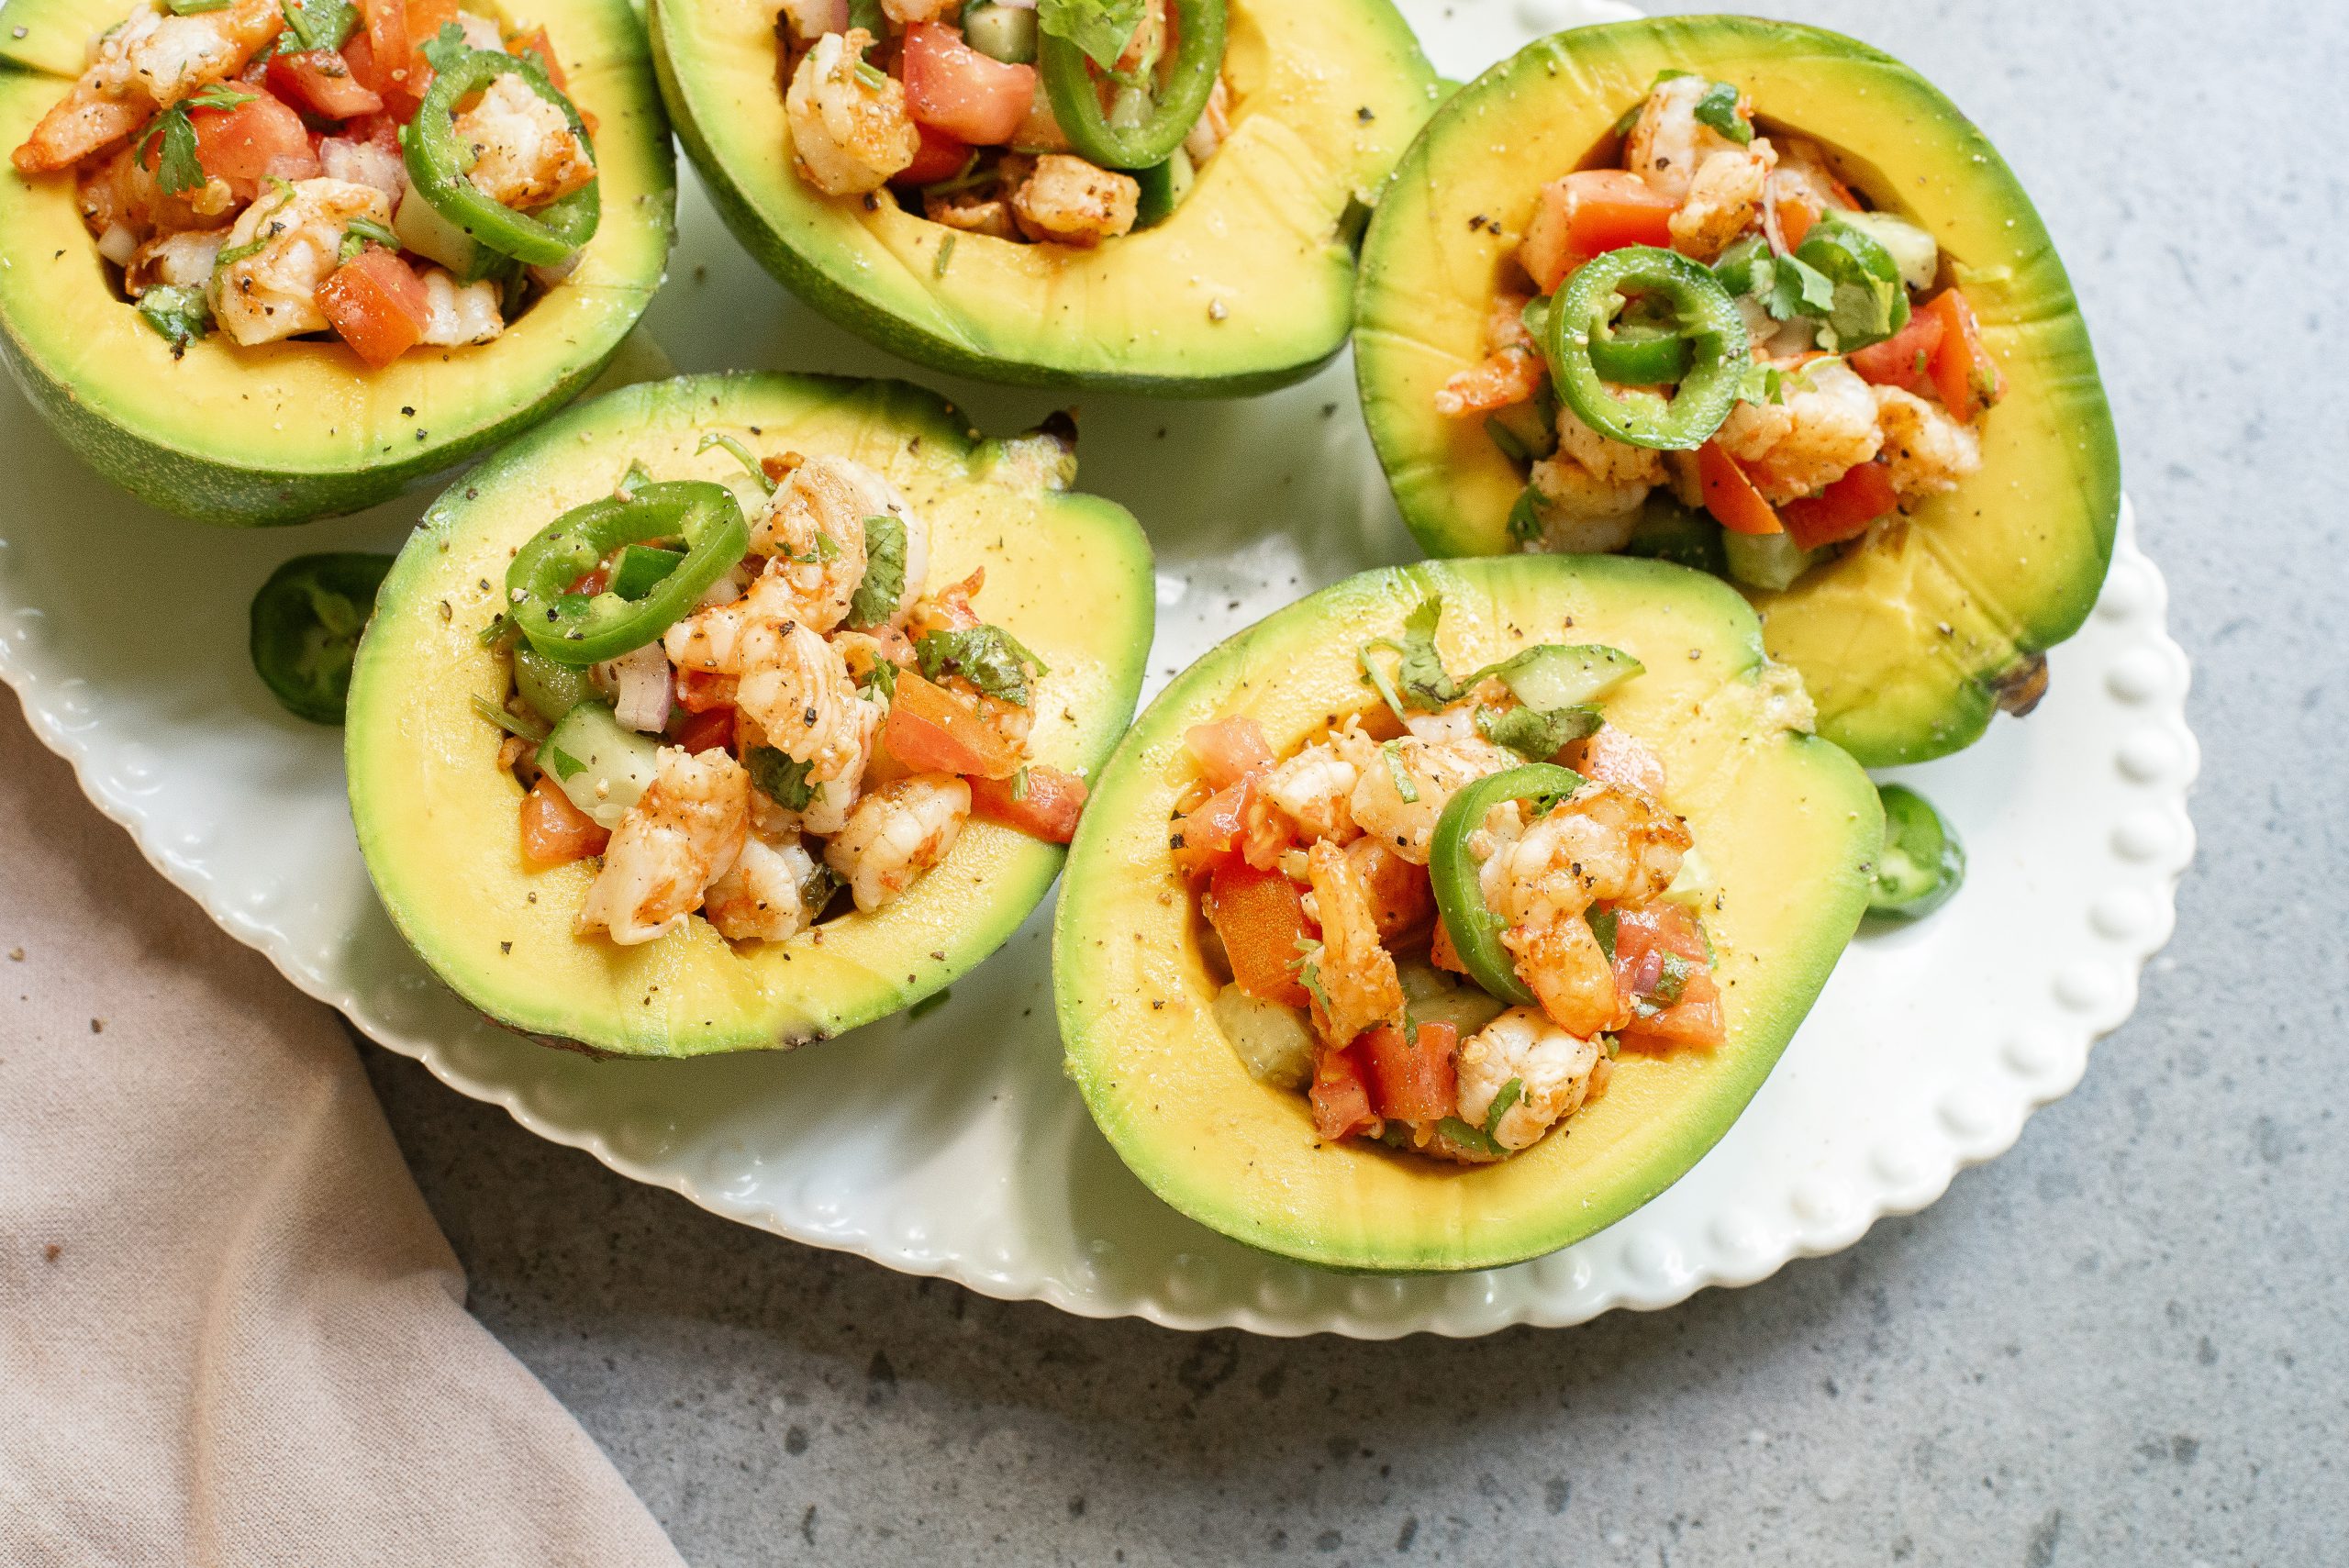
(229, 1331)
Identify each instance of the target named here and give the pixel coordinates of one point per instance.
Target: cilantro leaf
(1407, 789)
(1419, 679)
(987, 656)
(319, 23)
(780, 778)
(359, 232)
(447, 48)
(1717, 108)
(1674, 979)
(881, 677)
(177, 169)
(1102, 28)
(1796, 288)
(740, 453)
(1534, 734)
(1511, 1092)
(1307, 966)
(1603, 923)
(179, 312)
(884, 583)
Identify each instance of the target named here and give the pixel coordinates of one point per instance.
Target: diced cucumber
(1163, 187)
(1913, 250)
(552, 690)
(1556, 675)
(1274, 1044)
(602, 767)
(1768, 562)
(1431, 997)
(422, 230)
(1001, 32)
(1521, 432)
(641, 567)
(1695, 883)
(1670, 531)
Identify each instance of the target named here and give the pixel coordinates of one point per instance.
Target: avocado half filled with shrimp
(240, 305)
(965, 187)
(851, 665)
(1909, 455)
(1453, 913)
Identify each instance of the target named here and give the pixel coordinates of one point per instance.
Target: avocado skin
(197, 436)
(1790, 823)
(1298, 307)
(1070, 574)
(1905, 646)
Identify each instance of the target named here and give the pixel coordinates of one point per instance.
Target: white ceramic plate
(952, 1145)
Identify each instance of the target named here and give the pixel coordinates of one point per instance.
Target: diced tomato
(1261, 917)
(592, 581)
(1410, 1079)
(1844, 510)
(554, 831)
(1401, 897)
(1904, 359)
(1643, 937)
(1587, 213)
(240, 145)
(699, 690)
(379, 55)
(934, 731)
(536, 42)
(1731, 496)
(1796, 216)
(1211, 832)
(1228, 749)
(319, 81)
(941, 157)
(702, 730)
(1963, 372)
(1442, 954)
(1046, 808)
(1340, 1098)
(380, 130)
(1616, 756)
(377, 306)
(952, 88)
(425, 20)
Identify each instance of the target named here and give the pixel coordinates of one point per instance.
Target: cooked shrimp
(525, 153)
(1315, 788)
(1553, 1070)
(184, 258)
(1668, 143)
(767, 895)
(1356, 971)
(1508, 375)
(272, 293)
(1582, 511)
(851, 132)
(1929, 451)
(897, 832)
(1435, 771)
(1071, 201)
(150, 62)
(1724, 200)
(460, 313)
(1825, 428)
(1601, 842)
(970, 213)
(814, 530)
(679, 838)
(797, 688)
(365, 163)
(1214, 124)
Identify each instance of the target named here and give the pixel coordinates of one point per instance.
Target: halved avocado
(1908, 644)
(1248, 286)
(288, 431)
(1069, 575)
(1788, 823)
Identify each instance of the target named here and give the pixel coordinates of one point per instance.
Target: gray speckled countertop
(2126, 1342)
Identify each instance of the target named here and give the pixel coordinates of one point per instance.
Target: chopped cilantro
(1674, 979)
(944, 259)
(1717, 108)
(987, 656)
(884, 583)
(1405, 786)
(1602, 926)
(562, 762)
(1511, 1092)
(780, 778)
(359, 232)
(1102, 28)
(740, 454)
(317, 24)
(179, 312)
(1307, 966)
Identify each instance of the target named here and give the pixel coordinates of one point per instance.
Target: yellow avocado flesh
(1788, 824)
(1249, 284)
(286, 431)
(1903, 642)
(437, 820)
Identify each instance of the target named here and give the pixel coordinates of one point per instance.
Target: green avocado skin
(1166, 365)
(1907, 661)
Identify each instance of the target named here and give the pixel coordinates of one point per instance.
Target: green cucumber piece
(602, 767)
(1768, 562)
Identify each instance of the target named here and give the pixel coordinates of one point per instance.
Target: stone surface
(2125, 1341)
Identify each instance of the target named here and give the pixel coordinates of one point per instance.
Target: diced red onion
(641, 688)
(118, 245)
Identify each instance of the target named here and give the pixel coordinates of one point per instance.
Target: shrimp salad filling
(1445, 917)
(764, 715)
(1718, 313)
(1068, 122)
(394, 173)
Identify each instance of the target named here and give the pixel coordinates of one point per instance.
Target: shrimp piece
(1510, 375)
(970, 213)
(768, 895)
(1826, 426)
(829, 801)
(1724, 200)
(897, 832)
(1617, 757)
(810, 20)
(1602, 842)
(798, 689)
(481, 32)
(1356, 971)
(1314, 789)
(1434, 771)
(678, 839)
(272, 293)
(1068, 201)
(1214, 124)
(1803, 177)
(1553, 1071)
(460, 313)
(850, 133)
(1930, 452)
(184, 260)
(150, 62)
(1668, 143)
(525, 153)
(813, 530)
(1591, 488)
(1402, 899)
